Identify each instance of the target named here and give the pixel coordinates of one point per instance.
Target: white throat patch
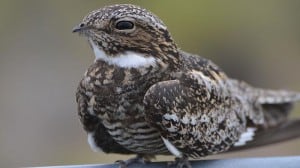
(126, 60)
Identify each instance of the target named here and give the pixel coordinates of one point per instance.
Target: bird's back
(267, 108)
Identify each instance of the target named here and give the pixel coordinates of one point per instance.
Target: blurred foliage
(41, 62)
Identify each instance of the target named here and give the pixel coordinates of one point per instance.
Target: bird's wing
(194, 114)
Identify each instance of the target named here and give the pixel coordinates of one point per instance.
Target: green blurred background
(41, 62)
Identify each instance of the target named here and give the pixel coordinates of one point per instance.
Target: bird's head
(127, 34)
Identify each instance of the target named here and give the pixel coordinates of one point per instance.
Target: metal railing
(262, 162)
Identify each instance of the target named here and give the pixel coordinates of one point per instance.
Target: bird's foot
(182, 162)
(143, 159)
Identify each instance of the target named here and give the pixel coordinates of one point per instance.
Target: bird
(143, 95)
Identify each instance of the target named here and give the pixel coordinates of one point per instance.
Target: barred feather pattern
(113, 98)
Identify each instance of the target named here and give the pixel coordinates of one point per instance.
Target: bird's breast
(115, 95)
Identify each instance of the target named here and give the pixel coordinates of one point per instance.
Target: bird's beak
(79, 28)
(76, 29)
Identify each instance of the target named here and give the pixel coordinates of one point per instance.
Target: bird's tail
(272, 105)
(286, 131)
(276, 105)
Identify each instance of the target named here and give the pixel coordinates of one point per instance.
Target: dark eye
(124, 25)
(81, 25)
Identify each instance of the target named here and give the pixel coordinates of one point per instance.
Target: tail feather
(276, 105)
(287, 131)
(276, 114)
(276, 96)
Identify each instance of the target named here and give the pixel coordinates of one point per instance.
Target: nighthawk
(145, 96)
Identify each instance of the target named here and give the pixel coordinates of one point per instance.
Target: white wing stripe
(246, 136)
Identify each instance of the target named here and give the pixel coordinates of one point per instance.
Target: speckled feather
(183, 98)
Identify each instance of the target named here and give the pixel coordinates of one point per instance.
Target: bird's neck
(130, 59)
(127, 59)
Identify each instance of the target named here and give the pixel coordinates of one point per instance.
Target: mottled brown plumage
(144, 96)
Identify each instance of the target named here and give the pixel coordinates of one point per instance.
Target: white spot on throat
(246, 136)
(92, 143)
(127, 60)
(172, 148)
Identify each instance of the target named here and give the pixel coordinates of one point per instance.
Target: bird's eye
(124, 25)
(81, 25)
